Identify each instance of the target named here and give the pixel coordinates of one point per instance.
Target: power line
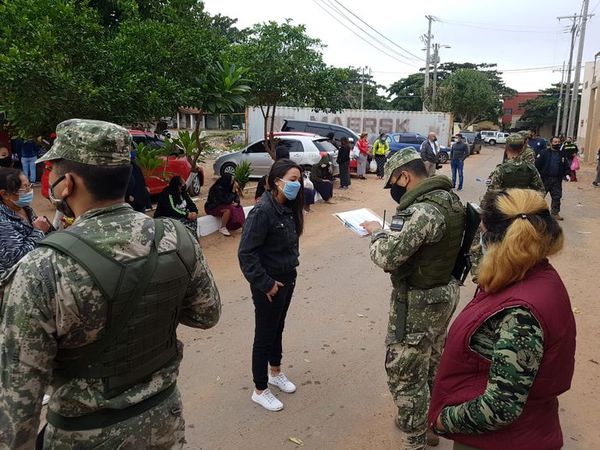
(358, 35)
(341, 13)
(492, 28)
(380, 34)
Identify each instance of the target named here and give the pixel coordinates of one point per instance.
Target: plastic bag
(575, 164)
(373, 166)
(356, 151)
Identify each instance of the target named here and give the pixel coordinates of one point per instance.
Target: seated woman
(511, 352)
(321, 175)
(20, 229)
(224, 202)
(175, 202)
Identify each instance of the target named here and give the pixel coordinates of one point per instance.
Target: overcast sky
(515, 34)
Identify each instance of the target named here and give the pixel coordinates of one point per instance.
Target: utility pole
(560, 99)
(575, 94)
(362, 98)
(427, 60)
(565, 112)
(436, 61)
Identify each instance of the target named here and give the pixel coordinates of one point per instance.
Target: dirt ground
(334, 338)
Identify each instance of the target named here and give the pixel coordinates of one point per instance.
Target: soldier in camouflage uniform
(418, 251)
(518, 171)
(108, 351)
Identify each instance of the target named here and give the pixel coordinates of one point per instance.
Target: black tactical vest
(144, 298)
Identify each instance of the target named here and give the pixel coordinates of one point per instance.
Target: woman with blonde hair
(510, 353)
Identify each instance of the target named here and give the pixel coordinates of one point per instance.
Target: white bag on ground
(373, 166)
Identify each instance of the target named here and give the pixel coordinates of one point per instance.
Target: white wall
(373, 121)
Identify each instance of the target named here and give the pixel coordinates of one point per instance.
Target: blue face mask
(24, 199)
(291, 189)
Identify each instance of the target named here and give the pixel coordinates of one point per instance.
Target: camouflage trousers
(159, 428)
(412, 363)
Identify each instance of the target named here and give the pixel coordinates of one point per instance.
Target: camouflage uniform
(418, 318)
(52, 303)
(513, 340)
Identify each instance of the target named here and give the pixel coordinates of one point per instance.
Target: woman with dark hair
(321, 175)
(224, 202)
(20, 229)
(511, 352)
(175, 202)
(268, 256)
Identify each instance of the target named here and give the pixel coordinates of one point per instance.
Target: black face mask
(60, 204)
(6, 161)
(396, 192)
(556, 146)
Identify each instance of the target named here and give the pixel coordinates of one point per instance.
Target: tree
(543, 109)
(352, 85)
(286, 68)
(468, 94)
(407, 93)
(124, 61)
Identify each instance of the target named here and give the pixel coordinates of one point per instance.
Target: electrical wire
(375, 39)
(492, 28)
(380, 34)
(359, 36)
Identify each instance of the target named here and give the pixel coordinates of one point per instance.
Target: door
(259, 159)
(294, 148)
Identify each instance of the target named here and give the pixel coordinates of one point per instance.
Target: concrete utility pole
(560, 99)
(362, 97)
(575, 94)
(436, 61)
(427, 61)
(566, 104)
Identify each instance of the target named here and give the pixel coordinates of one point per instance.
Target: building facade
(512, 110)
(588, 126)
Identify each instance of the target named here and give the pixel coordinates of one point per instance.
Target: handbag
(356, 151)
(575, 163)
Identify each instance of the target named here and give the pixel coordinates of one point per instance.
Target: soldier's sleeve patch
(397, 223)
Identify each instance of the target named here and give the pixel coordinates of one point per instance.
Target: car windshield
(325, 146)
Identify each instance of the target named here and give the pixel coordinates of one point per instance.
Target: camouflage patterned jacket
(496, 179)
(392, 251)
(52, 302)
(504, 339)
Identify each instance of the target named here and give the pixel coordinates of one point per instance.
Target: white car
(494, 137)
(305, 150)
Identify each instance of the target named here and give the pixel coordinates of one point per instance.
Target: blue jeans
(29, 168)
(457, 166)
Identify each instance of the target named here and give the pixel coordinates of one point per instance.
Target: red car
(159, 178)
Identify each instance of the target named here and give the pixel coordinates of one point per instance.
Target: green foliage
(407, 93)
(148, 158)
(242, 173)
(468, 94)
(225, 89)
(351, 84)
(123, 61)
(543, 109)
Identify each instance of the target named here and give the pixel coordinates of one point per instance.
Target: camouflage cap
(92, 142)
(515, 139)
(397, 160)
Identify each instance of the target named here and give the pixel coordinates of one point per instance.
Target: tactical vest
(144, 297)
(432, 265)
(517, 176)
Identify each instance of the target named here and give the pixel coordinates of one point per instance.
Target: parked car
(329, 130)
(158, 179)
(305, 149)
(398, 141)
(494, 137)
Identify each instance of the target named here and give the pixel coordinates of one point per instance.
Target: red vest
(463, 374)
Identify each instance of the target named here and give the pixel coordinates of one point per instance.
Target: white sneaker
(224, 231)
(282, 383)
(45, 400)
(267, 400)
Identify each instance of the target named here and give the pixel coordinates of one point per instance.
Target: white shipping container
(373, 121)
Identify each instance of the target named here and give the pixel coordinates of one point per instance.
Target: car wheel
(443, 157)
(228, 168)
(194, 189)
(492, 142)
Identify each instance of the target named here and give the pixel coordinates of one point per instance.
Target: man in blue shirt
(458, 154)
(29, 154)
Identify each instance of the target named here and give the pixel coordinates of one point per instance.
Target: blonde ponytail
(522, 234)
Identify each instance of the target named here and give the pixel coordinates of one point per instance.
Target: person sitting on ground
(224, 202)
(321, 176)
(20, 229)
(511, 352)
(175, 202)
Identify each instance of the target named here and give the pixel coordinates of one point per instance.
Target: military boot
(411, 441)
(433, 440)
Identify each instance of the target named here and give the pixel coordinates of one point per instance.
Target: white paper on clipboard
(353, 219)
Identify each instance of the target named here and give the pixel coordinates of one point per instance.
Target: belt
(107, 417)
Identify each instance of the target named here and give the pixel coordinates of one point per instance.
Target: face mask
(291, 189)
(60, 204)
(434, 139)
(24, 199)
(396, 192)
(556, 147)
(6, 161)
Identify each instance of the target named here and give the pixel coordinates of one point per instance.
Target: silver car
(305, 150)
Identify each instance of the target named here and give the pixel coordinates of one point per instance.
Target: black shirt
(344, 154)
(269, 243)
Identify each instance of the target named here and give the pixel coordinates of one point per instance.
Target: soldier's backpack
(463, 263)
